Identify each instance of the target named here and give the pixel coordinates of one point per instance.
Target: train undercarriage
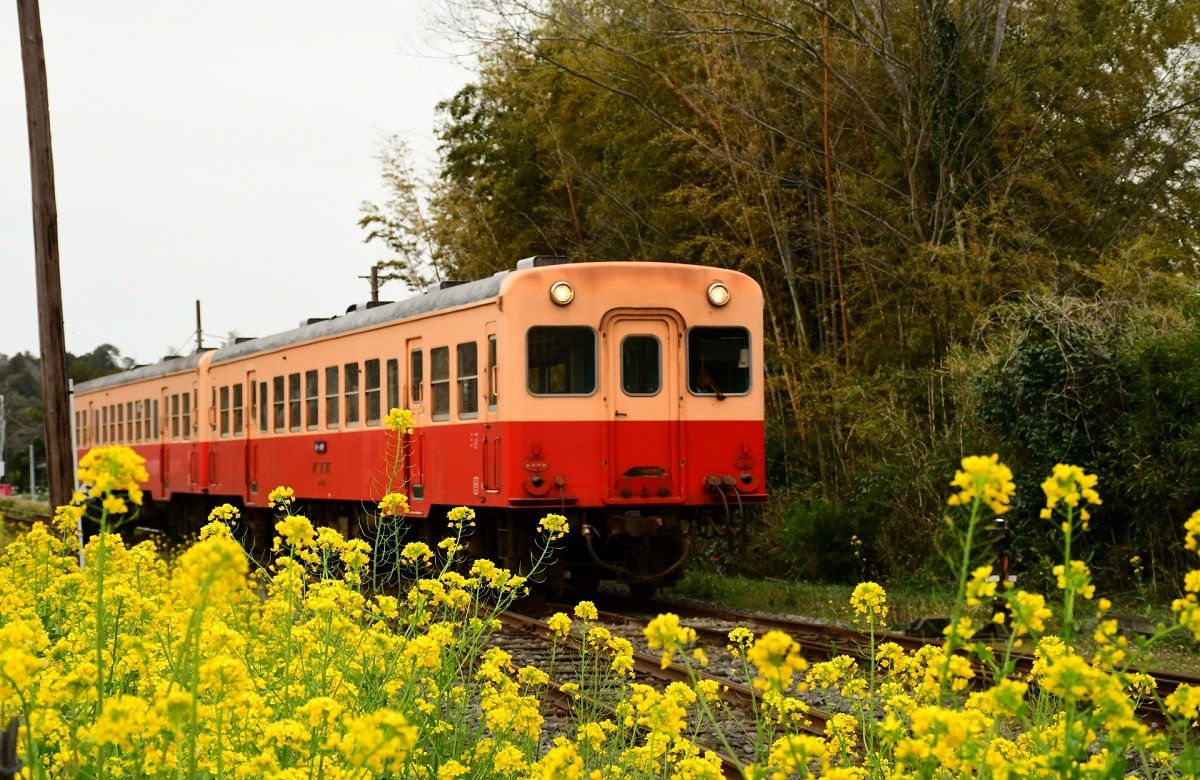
(643, 550)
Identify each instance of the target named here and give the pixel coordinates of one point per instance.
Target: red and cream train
(627, 396)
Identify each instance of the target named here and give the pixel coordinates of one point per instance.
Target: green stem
(964, 569)
(1068, 631)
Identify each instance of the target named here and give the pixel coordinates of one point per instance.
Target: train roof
(172, 365)
(447, 297)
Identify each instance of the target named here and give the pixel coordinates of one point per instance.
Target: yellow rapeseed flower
(379, 741)
(667, 634)
(461, 517)
(554, 527)
(416, 554)
(985, 479)
(107, 470)
(281, 497)
(393, 505)
(226, 513)
(870, 601)
(1069, 485)
(740, 640)
(1192, 529)
(560, 625)
(979, 588)
(777, 658)
(400, 421)
(296, 531)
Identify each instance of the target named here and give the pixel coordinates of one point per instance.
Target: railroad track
(822, 641)
(727, 728)
(24, 517)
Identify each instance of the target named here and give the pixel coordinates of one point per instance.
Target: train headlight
(718, 294)
(562, 293)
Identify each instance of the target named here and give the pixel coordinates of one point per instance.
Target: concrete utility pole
(60, 454)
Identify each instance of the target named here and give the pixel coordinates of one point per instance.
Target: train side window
(238, 410)
(416, 376)
(641, 365)
(312, 400)
(224, 407)
(718, 361)
(372, 390)
(561, 360)
(129, 422)
(491, 373)
(468, 380)
(155, 418)
(280, 404)
(393, 384)
(294, 401)
(439, 382)
(332, 396)
(352, 395)
(264, 407)
(173, 405)
(186, 416)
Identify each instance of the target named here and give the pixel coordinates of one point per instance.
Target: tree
(21, 386)
(890, 172)
(400, 224)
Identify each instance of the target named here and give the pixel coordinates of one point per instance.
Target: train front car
(635, 409)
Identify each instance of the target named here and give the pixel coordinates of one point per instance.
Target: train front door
(641, 391)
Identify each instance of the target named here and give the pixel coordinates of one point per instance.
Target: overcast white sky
(210, 151)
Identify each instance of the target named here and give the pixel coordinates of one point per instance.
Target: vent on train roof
(539, 261)
(364, 306)
(446, 284)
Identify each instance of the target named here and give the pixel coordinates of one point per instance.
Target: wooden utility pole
(60, 454)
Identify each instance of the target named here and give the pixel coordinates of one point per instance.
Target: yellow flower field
(208, 666)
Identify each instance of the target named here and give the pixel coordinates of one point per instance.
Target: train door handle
(620, 414)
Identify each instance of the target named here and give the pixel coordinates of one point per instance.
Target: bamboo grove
(975, 223)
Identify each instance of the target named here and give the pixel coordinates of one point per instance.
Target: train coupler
(634, 525)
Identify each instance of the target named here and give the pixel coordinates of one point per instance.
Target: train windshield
(561, 360)
(718, 361)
